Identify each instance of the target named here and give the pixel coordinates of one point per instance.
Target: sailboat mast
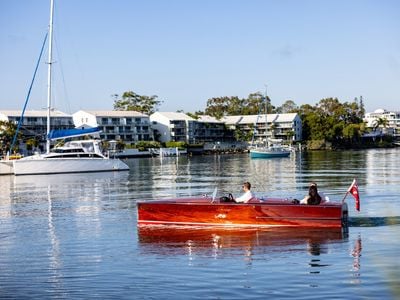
(50, 61)
(266, 113)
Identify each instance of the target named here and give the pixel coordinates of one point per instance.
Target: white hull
(6, 167)
(40, 165)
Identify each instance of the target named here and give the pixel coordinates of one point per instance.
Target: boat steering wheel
(231, 199)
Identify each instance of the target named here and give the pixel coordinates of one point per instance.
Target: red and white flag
(353, 189)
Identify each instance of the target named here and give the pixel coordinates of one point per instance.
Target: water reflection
(373, 221)
(166, 241)
(382, 167)
(356, 253)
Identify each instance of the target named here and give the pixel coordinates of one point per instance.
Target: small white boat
(274, 149)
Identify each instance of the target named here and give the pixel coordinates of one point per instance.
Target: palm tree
(31, 144)
(380, 122)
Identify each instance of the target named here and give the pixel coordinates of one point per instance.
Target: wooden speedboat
(265, 212)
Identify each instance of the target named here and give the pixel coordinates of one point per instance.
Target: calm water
(75, 236)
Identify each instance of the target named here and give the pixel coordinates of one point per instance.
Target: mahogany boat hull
(259, 213)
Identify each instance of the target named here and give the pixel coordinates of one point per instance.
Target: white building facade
(392, 117)
(179, 127)
(128, 126)
(131, 126)
(170, 126)
(287, 127)
(34, 125)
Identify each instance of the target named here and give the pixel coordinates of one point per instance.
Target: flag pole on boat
(353, 190)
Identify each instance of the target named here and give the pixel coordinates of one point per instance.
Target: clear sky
(187, 51)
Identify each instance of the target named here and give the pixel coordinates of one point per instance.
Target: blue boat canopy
(69, 133)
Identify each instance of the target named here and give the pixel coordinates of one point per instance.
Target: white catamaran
(74, 156)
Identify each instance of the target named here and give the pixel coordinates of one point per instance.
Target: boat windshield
(67, 150)
(88, 146)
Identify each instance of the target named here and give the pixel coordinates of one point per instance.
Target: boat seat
(254, 200)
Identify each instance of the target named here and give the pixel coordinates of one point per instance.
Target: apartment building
(131, 126)
(34, 125)
(287, 127)
(206, 129)
(179, 127)
(128, 126)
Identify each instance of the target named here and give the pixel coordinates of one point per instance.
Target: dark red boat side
(268, 212)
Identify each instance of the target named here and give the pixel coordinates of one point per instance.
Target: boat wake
(373, 221)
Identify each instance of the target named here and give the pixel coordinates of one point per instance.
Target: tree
(31, 144)
(130, 101)
(241, 135)
(269, 109)
(351, 132)
(224, 106)
(7, 132)
(253, 104)
(217, 107)
(361, 108)
(145, 145)
(331, 121)
(194, 116)
(120, 145)
(380, 122)
(229, 106)
(288, 107)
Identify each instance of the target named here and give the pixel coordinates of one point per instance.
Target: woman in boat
(248, 195)
(313, 197)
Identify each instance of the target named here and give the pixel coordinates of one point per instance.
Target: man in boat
(314, 197)
(248, 195)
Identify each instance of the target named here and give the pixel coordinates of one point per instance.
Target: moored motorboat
(259, 212)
